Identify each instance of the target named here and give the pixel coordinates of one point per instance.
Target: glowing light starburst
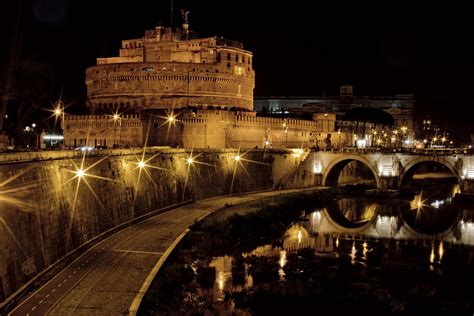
(57, 110)
(143, 165)
(82, 174)
(238, 160)
(192, 161)
(16, 195)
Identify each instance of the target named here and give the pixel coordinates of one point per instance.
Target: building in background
(399, 106)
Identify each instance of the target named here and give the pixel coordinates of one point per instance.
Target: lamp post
(339, 140)
(59, 111)
(285, 130)
(59, 114)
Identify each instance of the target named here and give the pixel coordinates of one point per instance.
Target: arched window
(236, 58)
(228, 65)
(228, 56)
(243, 59)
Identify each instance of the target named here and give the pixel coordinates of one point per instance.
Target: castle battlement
(172, 69)
(101, 117)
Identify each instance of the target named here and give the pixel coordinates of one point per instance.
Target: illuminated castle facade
(173, 88)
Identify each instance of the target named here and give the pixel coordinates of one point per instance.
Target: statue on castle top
(185, 14)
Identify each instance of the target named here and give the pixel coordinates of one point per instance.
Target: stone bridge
(391, 170)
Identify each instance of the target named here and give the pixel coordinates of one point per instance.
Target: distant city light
(237, 158)
(361, 143)
(190, 160)
(141, 164)
(53, 137)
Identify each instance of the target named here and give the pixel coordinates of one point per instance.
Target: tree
(30, 89)
(368, 115)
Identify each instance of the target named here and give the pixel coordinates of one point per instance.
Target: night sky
(300, 47)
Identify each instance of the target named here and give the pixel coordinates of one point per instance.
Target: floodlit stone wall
(47, 211)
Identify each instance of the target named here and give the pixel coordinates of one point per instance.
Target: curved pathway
(106, 279)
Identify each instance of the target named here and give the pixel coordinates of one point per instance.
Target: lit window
(238, 71)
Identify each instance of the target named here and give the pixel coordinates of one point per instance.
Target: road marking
(33, 308)
(47, 295)
(40, 302)
(138, 251)
(53, 290)
(65, 280)
(75, 271)
(60, 284)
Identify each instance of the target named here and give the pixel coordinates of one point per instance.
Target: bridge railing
(415, 151)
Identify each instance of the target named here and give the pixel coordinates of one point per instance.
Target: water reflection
(432, 210)
(381, 235)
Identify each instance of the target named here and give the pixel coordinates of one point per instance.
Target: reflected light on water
(364, 250)
(353, 253)
(299, 235)
(282, 260)
(220, 280)
(282, 263)
(437, 203)
(441, 251)
(432, 255)
(337, 242)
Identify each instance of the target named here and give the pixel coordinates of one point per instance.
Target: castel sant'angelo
(172, 88)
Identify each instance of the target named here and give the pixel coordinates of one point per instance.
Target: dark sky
(300, 47)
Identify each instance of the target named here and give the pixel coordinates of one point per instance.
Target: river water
(394, 255)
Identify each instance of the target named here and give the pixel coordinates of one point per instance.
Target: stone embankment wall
(47, 211)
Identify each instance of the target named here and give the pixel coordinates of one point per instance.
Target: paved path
(106, 278)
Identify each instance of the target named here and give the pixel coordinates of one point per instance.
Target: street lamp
(339, 140)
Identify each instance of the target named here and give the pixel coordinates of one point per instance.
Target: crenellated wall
(47, 211)
(102, 130)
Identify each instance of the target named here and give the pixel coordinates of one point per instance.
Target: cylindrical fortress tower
(167, 70)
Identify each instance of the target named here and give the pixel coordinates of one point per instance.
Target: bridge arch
(407, 173)
(333, 170)
(347, 230)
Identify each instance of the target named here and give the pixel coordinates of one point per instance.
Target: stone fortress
(172, 88)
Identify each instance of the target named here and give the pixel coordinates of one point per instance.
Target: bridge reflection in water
(361, 229)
